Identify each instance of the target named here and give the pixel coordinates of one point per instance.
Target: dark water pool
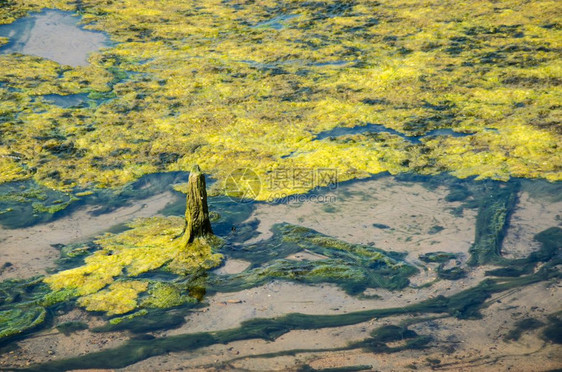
(379, 128)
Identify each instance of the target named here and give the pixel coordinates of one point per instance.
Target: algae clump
(118, 298)
(354, 267)
(109, 278)
(21, 308)
(19, 320)
(165, 295)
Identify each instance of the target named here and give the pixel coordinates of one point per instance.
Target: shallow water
(378, 128)
(52, 34)
(276, 23)
(408, 216)
(71, 100)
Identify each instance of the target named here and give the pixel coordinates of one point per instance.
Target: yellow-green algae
(106, 281)
(119, 298)
(209, 82)
(165, 295)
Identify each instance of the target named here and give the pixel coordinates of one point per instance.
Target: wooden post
(197, 211)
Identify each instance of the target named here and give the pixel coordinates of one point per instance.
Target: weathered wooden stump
(198, 224)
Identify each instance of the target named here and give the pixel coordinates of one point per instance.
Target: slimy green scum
(234, 84)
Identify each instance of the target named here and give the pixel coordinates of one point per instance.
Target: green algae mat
(234, 84)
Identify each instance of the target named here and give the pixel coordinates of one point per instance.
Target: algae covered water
(383, 185)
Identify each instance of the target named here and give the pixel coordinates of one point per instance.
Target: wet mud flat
(267, 308)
